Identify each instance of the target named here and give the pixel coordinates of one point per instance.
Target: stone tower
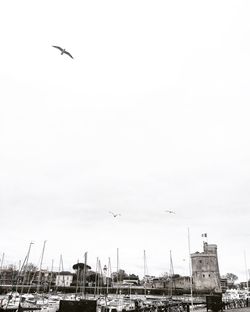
(205, 269)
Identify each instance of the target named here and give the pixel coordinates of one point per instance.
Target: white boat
(11, 301)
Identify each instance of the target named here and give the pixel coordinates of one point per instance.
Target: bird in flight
(63, 51)
(169, 211)
(115, 214)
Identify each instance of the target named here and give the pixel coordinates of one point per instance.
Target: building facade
(64, 279)
(205, 270)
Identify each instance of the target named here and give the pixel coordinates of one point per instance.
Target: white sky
(152, 114)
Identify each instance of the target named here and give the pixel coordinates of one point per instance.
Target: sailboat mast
(118, 275)
(77, 277)
(247, 275)
(190, 271)
(171, 275)
(58, 274)
(108, 276)
(1, 269)
(95, 290)
(99, 276)
(118, 289)
(145, 271)
(84, 273)
(26, 262)
(63, 271)
(117, 259)
(51, 274)
(2, 261)
(40, 268)
(144, 263)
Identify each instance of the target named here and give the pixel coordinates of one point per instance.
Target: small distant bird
(63, 51)
(169, 211)
(115, 214)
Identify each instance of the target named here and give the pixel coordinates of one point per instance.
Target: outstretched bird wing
(66, 52)
(115, 214)
(169, 211)
(58, 48)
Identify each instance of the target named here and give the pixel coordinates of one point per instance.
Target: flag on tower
(204, 235)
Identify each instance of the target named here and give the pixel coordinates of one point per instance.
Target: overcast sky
(152, 114)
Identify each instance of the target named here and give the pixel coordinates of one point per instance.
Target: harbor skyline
(151, 115)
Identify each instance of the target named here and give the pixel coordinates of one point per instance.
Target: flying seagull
(169, 211)
(115, 214)
(63, 51)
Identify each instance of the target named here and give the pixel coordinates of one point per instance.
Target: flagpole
(204, 235)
